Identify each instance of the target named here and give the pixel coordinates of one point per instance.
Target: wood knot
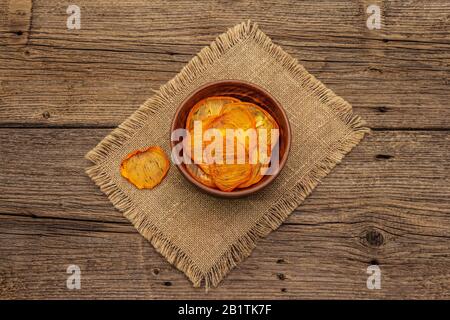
(46, 115)
(374, 238)
(155, 271)
(168, 283)
(281, 261)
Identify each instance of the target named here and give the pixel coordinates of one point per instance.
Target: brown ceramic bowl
(247, 92)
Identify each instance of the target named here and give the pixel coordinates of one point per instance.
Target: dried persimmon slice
(145, 168)
(228, 176)
(207, 107)
(232, 119)
(196, 141)
(256, 172)
(234, 116)
(263, 120)
(198, 174)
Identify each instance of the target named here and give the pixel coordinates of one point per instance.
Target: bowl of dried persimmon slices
(230, 138)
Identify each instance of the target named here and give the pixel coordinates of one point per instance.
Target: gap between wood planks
(87, 127)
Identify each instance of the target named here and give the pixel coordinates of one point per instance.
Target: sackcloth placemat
(203, 236)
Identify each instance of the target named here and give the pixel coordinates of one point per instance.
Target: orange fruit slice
(198, 174)
(196, 141)
(206, 108)
(234, 116)
(145, 168)
(228, 176)
(263, 120)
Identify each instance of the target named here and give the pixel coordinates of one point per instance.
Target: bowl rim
(237, 193)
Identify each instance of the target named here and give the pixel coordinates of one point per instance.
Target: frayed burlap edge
(279, 211)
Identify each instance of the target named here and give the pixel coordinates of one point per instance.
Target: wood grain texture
(387, 202)
(61, 92)
(395, 77)
(43, 175)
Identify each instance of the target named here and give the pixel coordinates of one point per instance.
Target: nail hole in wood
(383, 156)
(281, 276)
(168, 283)
(374, 262)
(280, 261)
(283, 289)
(383, 109)
(19, 33)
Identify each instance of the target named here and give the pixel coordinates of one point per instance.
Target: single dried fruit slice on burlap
(145, 168)
(206, 108)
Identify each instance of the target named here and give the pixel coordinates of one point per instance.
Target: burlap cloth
(203, 236)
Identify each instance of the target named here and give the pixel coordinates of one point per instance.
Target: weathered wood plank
(397, 173)
(18, 14)
(324, 260)
(396, 77)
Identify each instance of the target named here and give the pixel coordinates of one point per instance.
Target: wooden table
(62, 91)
